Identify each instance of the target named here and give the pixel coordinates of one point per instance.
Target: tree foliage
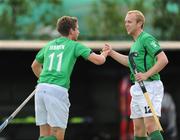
(25, 19)
(105, 20)
(28, 19)
(167, 19)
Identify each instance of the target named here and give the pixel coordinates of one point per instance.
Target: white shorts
(52, 105)
(139, 107)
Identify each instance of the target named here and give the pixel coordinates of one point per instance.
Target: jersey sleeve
(82, 50)
(152, 46)
(40, 56)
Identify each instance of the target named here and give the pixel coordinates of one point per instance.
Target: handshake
(106, 50)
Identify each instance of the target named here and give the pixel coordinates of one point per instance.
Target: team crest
(154, 44)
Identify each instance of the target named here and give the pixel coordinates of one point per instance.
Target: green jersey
(58, 58)
(147, 48)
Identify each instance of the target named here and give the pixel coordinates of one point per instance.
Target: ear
(71, 31)
(139, 24)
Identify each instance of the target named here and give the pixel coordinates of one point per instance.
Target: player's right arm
(36, 68)
(88, 54)
(122, 59)
(98, 59)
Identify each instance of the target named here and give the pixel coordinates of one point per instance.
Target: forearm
(155, 69)
(122, 59)
(97, 59)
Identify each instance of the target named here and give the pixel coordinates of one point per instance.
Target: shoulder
(151, 43)
(147, 36)
(148, 39)
(74, 43)
(49, 43)
(78, 44)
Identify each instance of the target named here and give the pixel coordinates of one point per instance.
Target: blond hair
(139, 16)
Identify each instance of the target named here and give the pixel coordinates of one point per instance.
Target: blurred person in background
(126, 124)
(168, 118)
(150, 61)
(53, 66)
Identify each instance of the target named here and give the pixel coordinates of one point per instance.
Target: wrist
(111, 53)
(104, 57)
(147, 75)
(104, 54)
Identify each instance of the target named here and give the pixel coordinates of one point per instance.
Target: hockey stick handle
(22, 105)
(8, 120)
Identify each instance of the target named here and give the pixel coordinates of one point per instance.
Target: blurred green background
(98, 19)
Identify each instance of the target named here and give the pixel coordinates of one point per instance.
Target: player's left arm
(36, 68)
(162, 61)
(153, 48)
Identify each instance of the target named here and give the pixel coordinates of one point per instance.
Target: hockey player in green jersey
(53, 66)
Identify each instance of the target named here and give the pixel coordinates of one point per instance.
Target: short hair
(65, 23)
(139, 16)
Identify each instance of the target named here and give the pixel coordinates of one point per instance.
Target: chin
(75, 38)
(128, 33)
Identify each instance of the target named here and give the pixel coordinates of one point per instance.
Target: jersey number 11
(53, 58)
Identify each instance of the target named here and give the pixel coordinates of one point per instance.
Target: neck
(69, 37)
(137, 33)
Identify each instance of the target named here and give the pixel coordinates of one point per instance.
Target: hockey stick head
(133, 65)
(131, 60)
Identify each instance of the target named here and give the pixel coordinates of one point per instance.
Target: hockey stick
(9, 119)
(143, 88)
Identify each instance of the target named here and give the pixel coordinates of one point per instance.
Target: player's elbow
(166, 61)
(33, 66)
(36, 68)
(163, 58)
